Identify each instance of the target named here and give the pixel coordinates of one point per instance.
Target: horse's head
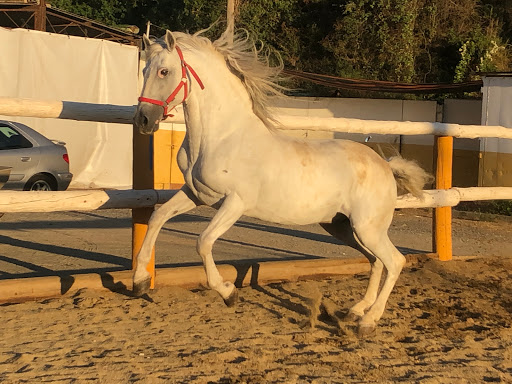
(163, 73)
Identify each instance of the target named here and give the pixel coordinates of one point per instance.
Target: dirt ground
(446, 322)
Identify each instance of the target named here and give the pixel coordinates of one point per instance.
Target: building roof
(495, 74)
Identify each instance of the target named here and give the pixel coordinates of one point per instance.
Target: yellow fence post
(143, 178)
(443, 215)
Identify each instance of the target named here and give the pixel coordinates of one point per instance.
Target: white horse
(235, 160)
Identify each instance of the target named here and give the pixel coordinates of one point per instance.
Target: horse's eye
(162, 72)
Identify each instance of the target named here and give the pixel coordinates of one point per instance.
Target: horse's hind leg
(230, 211)
(181, 202)
(341, 228)
(376, 240)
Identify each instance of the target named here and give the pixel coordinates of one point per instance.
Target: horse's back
(338, 164)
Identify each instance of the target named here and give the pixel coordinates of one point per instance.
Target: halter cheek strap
(182, 84)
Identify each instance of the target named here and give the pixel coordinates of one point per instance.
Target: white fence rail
(336, 124)
(89, 200)
(103, 113)
(453, 196)
(83, 200)
(108, 113)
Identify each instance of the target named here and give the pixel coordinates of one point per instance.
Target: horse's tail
(409, 176)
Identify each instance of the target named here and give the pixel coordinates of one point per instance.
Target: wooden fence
(143, 199)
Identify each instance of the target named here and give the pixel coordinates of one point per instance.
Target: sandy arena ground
(445, 323)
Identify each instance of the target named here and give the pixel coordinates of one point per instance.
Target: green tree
(416, 40)
(394, 40)
(110, 12)
(176, 15)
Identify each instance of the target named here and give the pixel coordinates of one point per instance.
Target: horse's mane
(245, 61)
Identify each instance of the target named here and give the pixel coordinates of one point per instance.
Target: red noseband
(182, 84)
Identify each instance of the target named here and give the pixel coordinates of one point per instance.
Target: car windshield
(12, 139)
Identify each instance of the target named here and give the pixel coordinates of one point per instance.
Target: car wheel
(40, 183)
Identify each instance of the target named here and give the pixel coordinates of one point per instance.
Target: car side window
(12, 139)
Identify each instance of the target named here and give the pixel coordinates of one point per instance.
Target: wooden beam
(243, 274)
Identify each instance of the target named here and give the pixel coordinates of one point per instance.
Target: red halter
(182, 84)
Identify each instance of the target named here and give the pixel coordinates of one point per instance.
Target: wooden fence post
(143, 178)
(231, 19)
(40, 16)
(442, 218)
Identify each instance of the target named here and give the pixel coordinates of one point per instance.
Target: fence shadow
(83, 221)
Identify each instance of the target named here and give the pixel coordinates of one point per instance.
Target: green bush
(496, 207)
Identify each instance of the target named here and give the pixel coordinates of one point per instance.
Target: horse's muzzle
(147, 121)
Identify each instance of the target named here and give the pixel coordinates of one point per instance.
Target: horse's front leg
(181, 202)
(230, 211)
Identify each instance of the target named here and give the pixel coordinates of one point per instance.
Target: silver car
(35, 163)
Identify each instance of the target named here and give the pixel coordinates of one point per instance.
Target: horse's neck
(212, 115)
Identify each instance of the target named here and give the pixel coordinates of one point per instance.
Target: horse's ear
(147, 41)
(170, 40)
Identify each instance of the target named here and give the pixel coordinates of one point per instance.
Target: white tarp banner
(49, 66)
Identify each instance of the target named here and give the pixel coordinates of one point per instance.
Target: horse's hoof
(141, 287)
(351, 317)
(365, 330)
(232, 299)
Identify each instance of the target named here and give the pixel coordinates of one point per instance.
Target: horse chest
(204, 176)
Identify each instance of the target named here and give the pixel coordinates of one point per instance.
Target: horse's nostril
(145, 120)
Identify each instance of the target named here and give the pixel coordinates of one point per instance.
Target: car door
(18, 153)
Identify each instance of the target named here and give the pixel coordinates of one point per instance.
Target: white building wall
(497, 110)
(496, 164)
